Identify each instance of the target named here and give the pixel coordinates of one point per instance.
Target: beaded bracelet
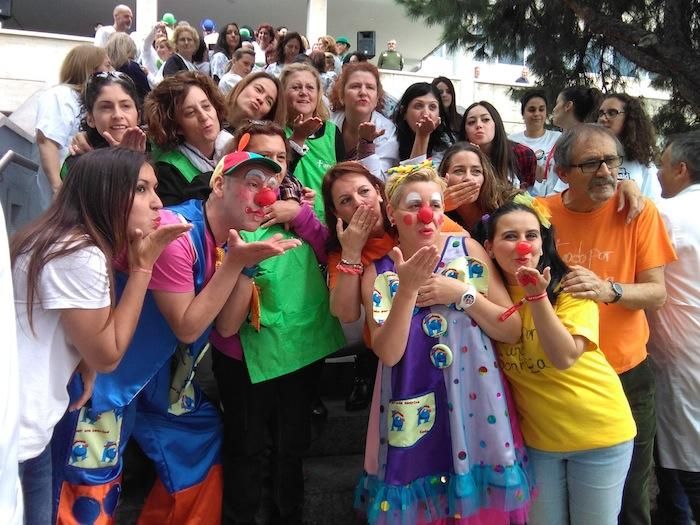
(351, 268)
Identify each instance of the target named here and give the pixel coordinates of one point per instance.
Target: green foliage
(572, 37)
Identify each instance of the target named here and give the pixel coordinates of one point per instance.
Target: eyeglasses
(592, 166)
(610, 113)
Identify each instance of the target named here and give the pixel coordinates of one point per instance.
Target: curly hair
(638, 135)
(327, 44)
(336, 97)
(163, 103)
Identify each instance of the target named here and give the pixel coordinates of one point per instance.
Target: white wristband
(301, 150)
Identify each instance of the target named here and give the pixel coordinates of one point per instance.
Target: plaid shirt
(526, 163)
(291, 188)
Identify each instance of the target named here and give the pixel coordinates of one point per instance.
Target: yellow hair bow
(540, 209)
(405, 169)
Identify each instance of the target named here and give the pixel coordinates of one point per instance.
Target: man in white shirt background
(123, 18)
(674, 343)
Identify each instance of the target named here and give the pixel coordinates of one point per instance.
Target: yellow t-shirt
(579, 408)
(601, 241)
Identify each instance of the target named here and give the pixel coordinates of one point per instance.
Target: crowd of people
(530, 301)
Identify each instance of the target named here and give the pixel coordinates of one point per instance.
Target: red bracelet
(352, 269)
(531, 298)
(510, 311)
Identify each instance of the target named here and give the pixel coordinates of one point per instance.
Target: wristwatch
(617, 290)
(467, 298)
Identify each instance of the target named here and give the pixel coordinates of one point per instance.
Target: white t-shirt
(58, 116)
(10, 490)
(218, 64)
(386, 147)
(228, 82)
(47, 360)
(102, 35)
(542, 146)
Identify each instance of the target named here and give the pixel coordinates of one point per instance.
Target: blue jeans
(679, 496)
(35, 476)
(579, 488)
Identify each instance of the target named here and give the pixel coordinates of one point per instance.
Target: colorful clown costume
(152, 397)
(441, 443)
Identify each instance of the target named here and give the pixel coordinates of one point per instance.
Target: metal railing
(12, 157)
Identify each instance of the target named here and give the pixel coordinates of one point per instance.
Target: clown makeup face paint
(420, 212)
(247, 194)
(516, 242)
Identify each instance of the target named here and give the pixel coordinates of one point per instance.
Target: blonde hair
(165, 40)
(80, 63)
(397, 181)
(185, 28)
(120, 49)
(321, 111)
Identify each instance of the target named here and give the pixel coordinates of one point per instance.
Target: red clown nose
(425, 215)
(523, 248)
(265, 197)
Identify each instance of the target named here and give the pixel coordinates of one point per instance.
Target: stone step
(341, 434)
(329, 490)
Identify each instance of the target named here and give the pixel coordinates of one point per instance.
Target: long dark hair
(501, 153)
(222, 44)
(494, 192)
(585, 100)
(440, 139)
(280, 47)
(453, 116)
(91, 209)
(329, 179)
(92, 90)
(550, 256)
(638, 135)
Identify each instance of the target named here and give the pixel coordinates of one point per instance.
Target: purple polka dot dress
(447, 449)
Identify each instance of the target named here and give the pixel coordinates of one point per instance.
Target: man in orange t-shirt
(619, 265)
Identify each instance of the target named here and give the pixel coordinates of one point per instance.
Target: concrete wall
(30, 61)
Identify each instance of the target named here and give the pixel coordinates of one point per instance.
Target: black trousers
(275, 413)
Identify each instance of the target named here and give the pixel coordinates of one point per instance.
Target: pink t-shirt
(173, 273)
